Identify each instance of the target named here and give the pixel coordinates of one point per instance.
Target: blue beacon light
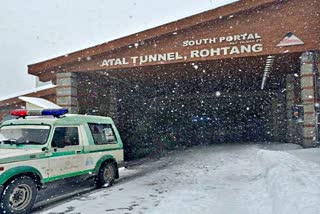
(54, 112)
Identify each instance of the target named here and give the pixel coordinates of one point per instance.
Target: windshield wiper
(15, 141)
(29, 142)
(9, 141)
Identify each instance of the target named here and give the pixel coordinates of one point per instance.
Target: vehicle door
(105, 143)
(67, 152)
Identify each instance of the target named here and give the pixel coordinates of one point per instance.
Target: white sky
(36, 30)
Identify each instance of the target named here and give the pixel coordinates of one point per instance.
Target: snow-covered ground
(239, 179)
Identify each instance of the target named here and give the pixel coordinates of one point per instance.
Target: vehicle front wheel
(106, 175)
(19, 196)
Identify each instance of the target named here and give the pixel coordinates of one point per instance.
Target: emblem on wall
(290, 40)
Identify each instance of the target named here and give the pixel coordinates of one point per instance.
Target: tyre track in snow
(197, 179)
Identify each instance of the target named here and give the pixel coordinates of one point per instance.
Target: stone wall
(66, 90)
(308, 98)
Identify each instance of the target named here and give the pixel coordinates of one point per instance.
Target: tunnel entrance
(169, 106)
(209, 119)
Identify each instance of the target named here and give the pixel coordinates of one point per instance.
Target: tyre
(107, 174)
(19, 196)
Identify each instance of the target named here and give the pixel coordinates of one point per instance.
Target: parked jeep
(37, 150)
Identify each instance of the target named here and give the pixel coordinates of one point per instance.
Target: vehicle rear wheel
(19, 196)
(107, 174)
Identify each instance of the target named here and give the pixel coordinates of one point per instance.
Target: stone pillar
(317, 71)
(317, 88)
(307, 71)
(67, 91)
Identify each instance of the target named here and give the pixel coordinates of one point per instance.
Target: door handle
(78, 152)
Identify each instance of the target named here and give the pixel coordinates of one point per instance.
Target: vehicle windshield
(24, 134)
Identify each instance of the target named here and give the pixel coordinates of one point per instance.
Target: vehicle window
(24, 134)
(102, 134)
(65, 136)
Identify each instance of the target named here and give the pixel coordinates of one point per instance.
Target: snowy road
(239, 179)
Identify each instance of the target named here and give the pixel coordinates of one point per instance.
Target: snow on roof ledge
(29, 91)
(39, 102)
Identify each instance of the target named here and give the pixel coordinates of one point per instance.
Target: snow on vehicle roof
(29, 91)
(40, 102)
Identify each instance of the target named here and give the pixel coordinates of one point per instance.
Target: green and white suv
(37, 150)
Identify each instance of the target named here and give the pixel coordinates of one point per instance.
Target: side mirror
(58, 144)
